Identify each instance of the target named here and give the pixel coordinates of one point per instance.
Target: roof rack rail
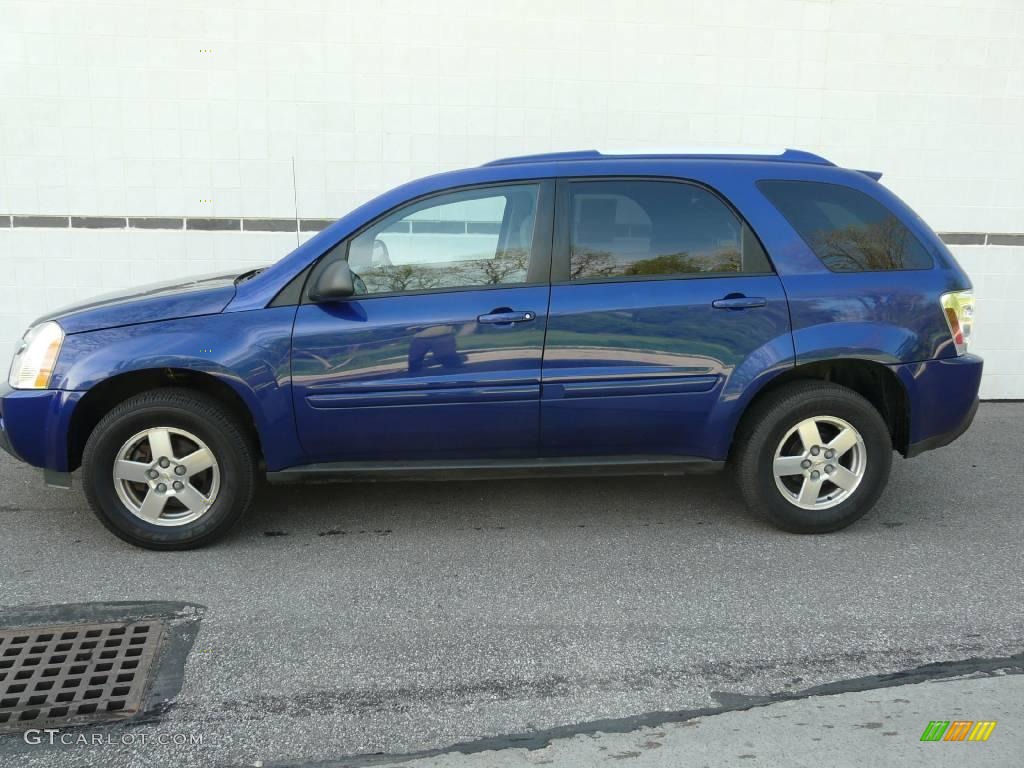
(696, 153)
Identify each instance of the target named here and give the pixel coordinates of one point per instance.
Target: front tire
(169, 469)
(813, 457)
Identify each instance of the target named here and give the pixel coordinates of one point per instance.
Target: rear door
(438, 355)
(663, 301)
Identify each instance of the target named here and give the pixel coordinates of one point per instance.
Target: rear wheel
(169, 469)
(813, 457)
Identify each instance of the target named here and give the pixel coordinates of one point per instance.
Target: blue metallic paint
(36, 424)
(418, 376)
(149, 304)
(248, 351)
(408, 371)
(655, 360)
(940, 393)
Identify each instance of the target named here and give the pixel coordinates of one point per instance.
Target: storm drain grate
(74, 674)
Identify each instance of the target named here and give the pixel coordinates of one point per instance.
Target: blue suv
(569, 313)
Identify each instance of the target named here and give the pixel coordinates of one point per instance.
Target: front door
(438, 354)
(661, 297)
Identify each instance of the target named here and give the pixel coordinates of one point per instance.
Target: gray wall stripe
(1000, 239)
(214, 224)
(155, 222)
(99, 222)
(42, 221)
(269, 225)
(963, 238)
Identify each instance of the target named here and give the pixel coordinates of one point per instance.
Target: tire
(777, 428)
(192, 511)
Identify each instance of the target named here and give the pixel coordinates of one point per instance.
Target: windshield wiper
(248, 275)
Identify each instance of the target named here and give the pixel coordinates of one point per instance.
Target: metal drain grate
(74, 674)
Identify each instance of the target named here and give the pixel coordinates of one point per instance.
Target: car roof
(669, 153)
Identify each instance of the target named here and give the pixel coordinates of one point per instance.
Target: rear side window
(636, 228)
(847, 229)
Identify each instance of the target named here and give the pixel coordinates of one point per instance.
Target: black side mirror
(334, 283)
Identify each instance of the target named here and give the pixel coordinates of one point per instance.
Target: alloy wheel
(166, 476)
(819, 463)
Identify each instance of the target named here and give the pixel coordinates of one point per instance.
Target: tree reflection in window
(588, 264)
(507, 267)
(637, 227)
(475, 237)
(849, 230)
(871, 247)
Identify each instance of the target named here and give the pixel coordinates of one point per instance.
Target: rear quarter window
(847, 229)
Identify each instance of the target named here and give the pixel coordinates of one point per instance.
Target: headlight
(36, 357)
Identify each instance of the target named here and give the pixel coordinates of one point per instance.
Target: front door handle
(734, 301)
(506, 316)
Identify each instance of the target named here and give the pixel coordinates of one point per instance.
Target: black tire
(765, 427)
(181, 409)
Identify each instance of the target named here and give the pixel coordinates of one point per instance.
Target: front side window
(847, 229)
(470, 238)
(637, 228)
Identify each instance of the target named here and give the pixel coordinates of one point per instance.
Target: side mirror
(334, 283)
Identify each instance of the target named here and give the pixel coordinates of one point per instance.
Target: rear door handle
(739, 302)
(494, 318)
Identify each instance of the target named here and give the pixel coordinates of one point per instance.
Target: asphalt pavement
(346, 621)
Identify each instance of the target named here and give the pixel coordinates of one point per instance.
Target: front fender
(248, 351)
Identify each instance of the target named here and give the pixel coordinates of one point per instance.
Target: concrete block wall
(284, 109)
(997, 272)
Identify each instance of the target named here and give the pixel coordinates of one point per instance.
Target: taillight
(958, 307)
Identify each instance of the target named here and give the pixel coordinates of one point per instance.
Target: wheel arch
(876, 382)
(107, 394)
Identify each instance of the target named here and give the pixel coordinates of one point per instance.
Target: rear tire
(169, 469)
(813, 457)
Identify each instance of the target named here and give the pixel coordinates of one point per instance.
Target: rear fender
(755, 372)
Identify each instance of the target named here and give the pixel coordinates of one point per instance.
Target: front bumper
(943, 397)
(5, 442)
(34, 426)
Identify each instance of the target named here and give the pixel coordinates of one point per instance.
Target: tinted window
(847, 229)
(463, 239)
(631, 228)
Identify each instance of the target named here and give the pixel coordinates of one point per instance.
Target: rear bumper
(944, 438)
(943, 397)
(34, 426)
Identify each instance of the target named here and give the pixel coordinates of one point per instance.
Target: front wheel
(169, 469)
(813, 457)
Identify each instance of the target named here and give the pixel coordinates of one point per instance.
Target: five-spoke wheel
(170, 469)
(802, 456)
(819, 462)
(166, 476)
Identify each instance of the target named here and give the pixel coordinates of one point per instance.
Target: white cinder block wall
(251, 109)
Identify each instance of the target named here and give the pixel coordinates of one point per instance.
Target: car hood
(206, 295)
